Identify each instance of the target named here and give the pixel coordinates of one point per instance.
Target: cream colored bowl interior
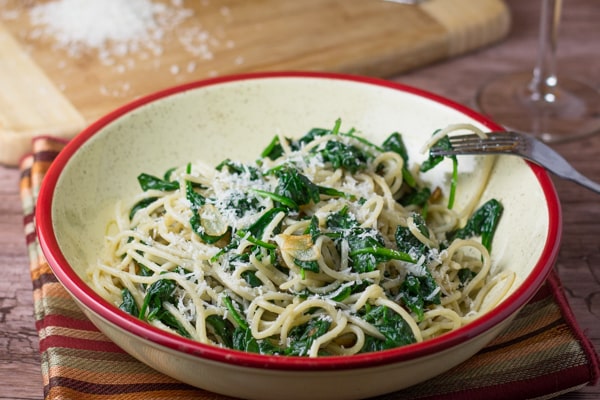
(237, 120)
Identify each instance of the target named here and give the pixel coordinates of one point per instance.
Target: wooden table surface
(458, 79)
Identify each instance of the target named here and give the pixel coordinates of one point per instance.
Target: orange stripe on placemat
(40, 166)
(48, 292)
(87, 334)
(25, 179)
(47, 305)
(47, 285)
(86, 372)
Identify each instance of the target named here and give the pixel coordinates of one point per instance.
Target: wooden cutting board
(46, 90)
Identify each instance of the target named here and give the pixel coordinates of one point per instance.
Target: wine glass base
(572, 111)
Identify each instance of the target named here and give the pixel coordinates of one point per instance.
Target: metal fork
(519, 144)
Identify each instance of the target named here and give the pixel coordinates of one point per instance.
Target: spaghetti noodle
(327, 245)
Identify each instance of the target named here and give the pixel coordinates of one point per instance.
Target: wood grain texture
(457, 79)
(375, 38)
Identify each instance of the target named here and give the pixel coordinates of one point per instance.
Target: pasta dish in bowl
(321, 247)
(253, 229)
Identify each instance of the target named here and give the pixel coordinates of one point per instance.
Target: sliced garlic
(212, 220)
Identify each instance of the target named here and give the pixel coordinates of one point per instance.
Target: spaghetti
(327, 245)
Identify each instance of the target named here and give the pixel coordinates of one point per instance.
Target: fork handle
(583, 181)
(556, 164)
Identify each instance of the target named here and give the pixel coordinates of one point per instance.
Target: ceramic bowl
(235, 117)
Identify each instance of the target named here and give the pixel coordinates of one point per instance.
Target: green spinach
(157, 293)
(482, 223)
(395, 330)
(432, 161)
(128, 304)
(303, 336)
(419, 292)
(396, 144)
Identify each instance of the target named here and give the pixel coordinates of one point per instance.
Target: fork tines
(495, 142)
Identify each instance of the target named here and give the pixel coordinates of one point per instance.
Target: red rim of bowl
(81, 291)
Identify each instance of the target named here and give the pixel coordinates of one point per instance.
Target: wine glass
(554, 109)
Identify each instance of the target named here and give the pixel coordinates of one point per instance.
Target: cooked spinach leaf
(251, 279)
(150, 182)
(465, 275)
(241, 338)
(243, 204)
(196, 223)
(396, 144)
(244, 341)
(157, 293)
(197, 200)
(367, 247)
(238, 168)
(313, 228)
(221, 328)
(418, 292)
(129, 305)
(141, 205)
(233, 310)
(392, 326)
(344, 291)
(432, 161)
(302, 337)
(257, 229)
(297, 187)
(274, 150)
(409, 243)
(417, 197)
(482, 223)
(309, 137)
(341, 220)
(311, 266)
(346, 156)
(331, 192)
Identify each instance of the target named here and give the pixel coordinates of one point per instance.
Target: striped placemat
(542, 354)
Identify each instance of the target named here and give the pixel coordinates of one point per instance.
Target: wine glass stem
(544, 82)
